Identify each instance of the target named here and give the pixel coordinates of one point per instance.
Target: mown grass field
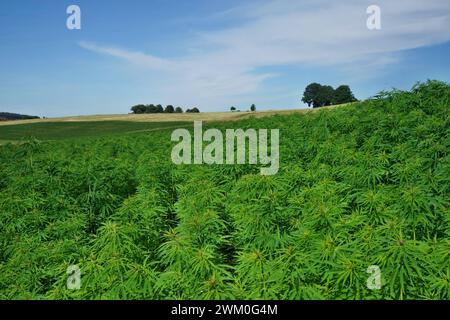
(79, 129)
(362, 185)
(163, 117)
(103, 125)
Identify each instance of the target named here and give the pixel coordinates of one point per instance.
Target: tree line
(151, 108)
(7, 116)
(317, 95)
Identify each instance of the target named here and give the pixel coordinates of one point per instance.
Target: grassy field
(102, 125)
(163, 117)
(78, 129)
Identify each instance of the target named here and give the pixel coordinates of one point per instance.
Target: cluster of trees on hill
(317, 95)
(6, 116)
(193, 110)
(151, 108)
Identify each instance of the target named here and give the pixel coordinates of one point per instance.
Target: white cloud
(137, 58)
(226, 64)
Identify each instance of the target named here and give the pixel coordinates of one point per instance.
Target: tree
(233, 109)
(193, 110)
(311, 95)
(138, 109)
(343, 94)
(326, 96)
(318, 95)
(150, 108)
(169, 109)
(253, 108)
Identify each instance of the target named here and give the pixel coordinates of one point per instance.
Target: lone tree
(343, 94)
(178, 110)
(233, 109)
(169, 109)
(253, 108)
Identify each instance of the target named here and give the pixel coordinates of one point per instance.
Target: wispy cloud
(227, 63)
(138, 58)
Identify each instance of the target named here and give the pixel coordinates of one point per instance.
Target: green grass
(71, 130)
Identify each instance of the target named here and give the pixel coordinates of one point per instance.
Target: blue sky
(211, 53)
